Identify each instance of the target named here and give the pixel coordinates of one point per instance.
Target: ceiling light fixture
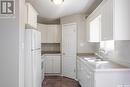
(57, 2)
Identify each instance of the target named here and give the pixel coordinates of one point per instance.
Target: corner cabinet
(115, 20)
(53, 33)
(50, 33)
(31, 16)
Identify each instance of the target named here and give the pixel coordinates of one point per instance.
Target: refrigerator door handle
(36, 49)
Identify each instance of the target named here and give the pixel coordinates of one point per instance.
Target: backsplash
(49, 47)
(117, 51)
(122, 52)
(106, 49)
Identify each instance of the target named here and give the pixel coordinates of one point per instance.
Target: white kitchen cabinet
(43, 29)
(56, 64)
(93, 25)
(115, 20)
(121, 18)
(85, 75)
(53, 34)
(48, 64)
(95, 29)
(90, 76)
(50, 33)
(31, 16)
(107, 21)
(52, 64)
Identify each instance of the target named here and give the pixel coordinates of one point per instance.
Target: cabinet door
(50, 34)
(95, 29)
(53, 34)
(122, 19)
(107, 21)
(48, 64)
(43, 29)
(44, 35)
(56, 64)
(57, 33)
(31, 16)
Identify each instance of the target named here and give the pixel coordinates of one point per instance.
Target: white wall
(83, 45)
(10, 49)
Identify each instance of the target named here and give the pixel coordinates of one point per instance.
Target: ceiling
(50, 11)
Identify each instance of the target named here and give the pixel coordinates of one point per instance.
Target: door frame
(72, 23)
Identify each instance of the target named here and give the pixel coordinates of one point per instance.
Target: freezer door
(36, 40)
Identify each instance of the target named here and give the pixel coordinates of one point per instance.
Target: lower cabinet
(52, 64)
(85, 75)
(92, 77)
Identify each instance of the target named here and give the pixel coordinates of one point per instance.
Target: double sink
(97, 62)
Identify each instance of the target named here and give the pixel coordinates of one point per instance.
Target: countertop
(50, 52)
(110, 66)
(86, 55)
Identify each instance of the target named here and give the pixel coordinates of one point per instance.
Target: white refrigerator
(32, 58)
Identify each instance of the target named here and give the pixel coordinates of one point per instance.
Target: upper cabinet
(115, 20)
(93, 24)
(53, 34)
(95, 28)
(121, 20)
(50, 33)
(107, 21)
(31, 16)
(43, 29)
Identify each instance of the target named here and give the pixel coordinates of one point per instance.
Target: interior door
(69, 44)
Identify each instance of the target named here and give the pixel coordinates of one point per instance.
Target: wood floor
(56, 81)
